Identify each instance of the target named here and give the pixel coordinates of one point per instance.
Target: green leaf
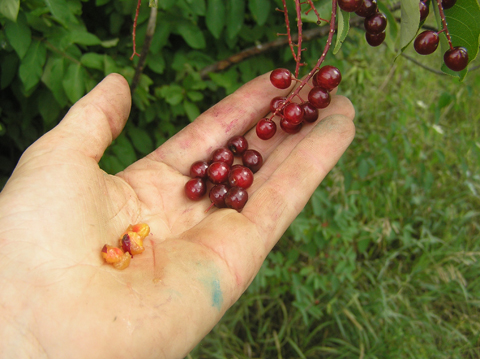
(124, 151)
(160, 37)
(192, 36)
(84, 38)
(9, 9)
(215, 17)
(173, 94)
(363, 168)
(464, 27)
(156, 63)
(235, 17)
(141, 140)
(191, 109)
(30, 70)
(392, 27)
(9, 67)
(48, 107)
(52, 77)
(93, 60)
(74, 82)
(324, 9)
(260, 10)
(61, 12)
(410, 16)
(197, 6)
(342, 29)
(19, 35)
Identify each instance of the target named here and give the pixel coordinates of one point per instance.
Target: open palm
(59, 299)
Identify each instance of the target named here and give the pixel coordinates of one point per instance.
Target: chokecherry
(375, 39)
(281, 78)
(319, 97)
(367, 8)
(289, 127)
(327, 77)
(252, 159)
(222, 154)
(199, 169)
(237, 144)
(293, 112)
(424, 10)
(240, 176)
(456, 59)
(349, 5)
(447, 4)
(218, 172)
(376, 23)
(276, 103)
(236, 198)
(266, 128)
(310, 112)
(217, 195)
(195, 188)
(426, 43)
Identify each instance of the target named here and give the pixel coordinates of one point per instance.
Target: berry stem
(134, 32)
(444, 23)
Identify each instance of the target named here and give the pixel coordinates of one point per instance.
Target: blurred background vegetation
(384, 260)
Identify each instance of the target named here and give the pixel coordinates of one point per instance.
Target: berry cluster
(456, 57)
(293, 115)
(230, 181)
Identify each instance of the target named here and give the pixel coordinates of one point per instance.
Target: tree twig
(152, 22)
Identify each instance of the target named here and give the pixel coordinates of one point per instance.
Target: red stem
(444, 23)
(134, 33)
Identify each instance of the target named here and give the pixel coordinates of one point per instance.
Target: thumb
(94, 121)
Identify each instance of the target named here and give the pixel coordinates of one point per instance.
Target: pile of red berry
(293, 115)
(229, 181)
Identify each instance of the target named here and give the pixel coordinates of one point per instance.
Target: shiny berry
(289, 127)
(266, 129)
(319, 97)
(327, 77)
(276, 103)
(240, 176)
(367, 8)
(281, 78)
(426, 43)
(349, 5)
(237, 144)
(376, 23)
(218, 172)
(195, 188)
(236, 198)
(424, 10)
(310, 112)
(222, 154)
(375, 39)
(293, 112)
(217, 195)
(447, 4)
(456, 59)
(252, 159)
(199, 169)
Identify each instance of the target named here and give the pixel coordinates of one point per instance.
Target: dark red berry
(293, 112)
(276, 102)
(222, 154)
(240, 176)
(236, 198)
(426, 43)
(367, 8)
(289, 127)
(266, 129)
(252, 159)
(424, 10)
(327, 77)
(199, 169)
(237, 144)
(456, 59)
(319, 97)
(127, 244)
(447, 4)
(281, 78)
(376, 23)
(195, 188)
(349, 5)
(217, 195)
(375, 39)
(310, 112)
(218, 172)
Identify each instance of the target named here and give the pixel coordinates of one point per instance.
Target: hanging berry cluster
(229, 181)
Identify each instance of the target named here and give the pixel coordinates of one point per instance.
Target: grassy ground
(384, 261)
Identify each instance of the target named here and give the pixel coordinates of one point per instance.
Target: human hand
(59, 299)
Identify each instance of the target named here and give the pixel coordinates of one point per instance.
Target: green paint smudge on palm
(217, 295)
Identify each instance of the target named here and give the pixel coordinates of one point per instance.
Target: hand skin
(58, 299)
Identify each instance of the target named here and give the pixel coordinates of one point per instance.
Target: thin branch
(152, 22)
(418, 63)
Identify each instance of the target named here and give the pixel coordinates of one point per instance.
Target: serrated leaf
(61, 12)
(9, 9)
(192, 36)
(52, 77)
(19, 35)
(260, 10)
(74, 82)
(343, 26)
(215, 17)
(140, 140)
(235, 17)
(410, 16)
(30, 70)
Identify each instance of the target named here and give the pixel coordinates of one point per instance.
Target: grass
(384, 260)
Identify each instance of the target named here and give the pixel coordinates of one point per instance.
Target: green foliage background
(383, 261)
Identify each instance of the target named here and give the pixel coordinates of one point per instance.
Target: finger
(234, 115)
(281, 198)
(94, 121)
